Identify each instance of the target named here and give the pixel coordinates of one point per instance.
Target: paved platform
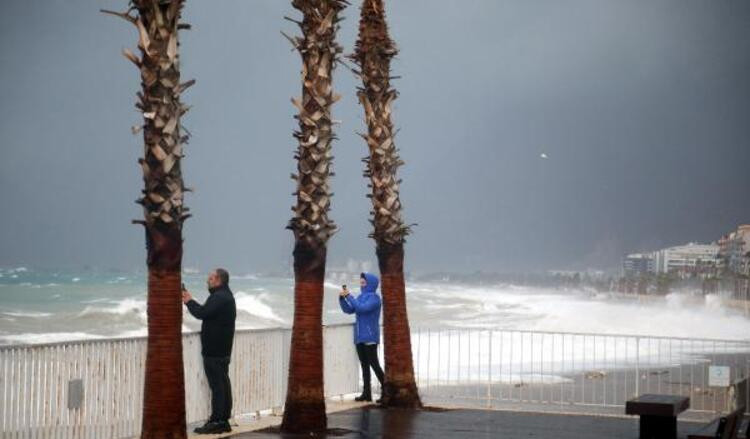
(373, 422)
(266, 420)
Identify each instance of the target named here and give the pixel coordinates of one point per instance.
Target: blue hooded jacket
(366, 306)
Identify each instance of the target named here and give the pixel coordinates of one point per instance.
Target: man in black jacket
(217, 334)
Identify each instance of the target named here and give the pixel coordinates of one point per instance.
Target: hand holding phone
(344, 291)
(186, 297)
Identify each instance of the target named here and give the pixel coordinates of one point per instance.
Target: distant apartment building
(730, 253)
(734, 250)
(688, 259)
(638, 264)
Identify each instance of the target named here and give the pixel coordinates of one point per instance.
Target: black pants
(217, 373)
(368, 357)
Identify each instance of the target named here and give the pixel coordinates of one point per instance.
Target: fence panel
(94, 388)
(574, 371)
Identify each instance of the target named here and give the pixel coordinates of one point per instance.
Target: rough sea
(41, 306)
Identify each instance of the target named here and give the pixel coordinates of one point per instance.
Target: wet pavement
(374, 422)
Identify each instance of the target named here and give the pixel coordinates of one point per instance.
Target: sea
(43, 306)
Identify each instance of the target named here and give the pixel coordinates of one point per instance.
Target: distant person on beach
(366, 306)
(217, 334)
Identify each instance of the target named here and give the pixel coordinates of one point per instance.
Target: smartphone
(183, 287)
(343, 287)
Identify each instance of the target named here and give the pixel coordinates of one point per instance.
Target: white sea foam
(120, 307)
(715, 302)
(550, 310)
(99, 300)
(34, 314)
(430, 305)
(254, 304)
(663, 318)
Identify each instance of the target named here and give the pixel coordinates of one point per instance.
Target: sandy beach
(600, 392)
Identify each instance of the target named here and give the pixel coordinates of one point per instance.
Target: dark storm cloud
(640, 109)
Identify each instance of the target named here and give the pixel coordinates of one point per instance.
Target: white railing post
(637, 366)
(489, 372)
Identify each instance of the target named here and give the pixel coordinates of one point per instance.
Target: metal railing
(561, 372)
(574, 371)
(38, 382)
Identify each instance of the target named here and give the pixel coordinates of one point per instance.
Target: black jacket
(218, 315)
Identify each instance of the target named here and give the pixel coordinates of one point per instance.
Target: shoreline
(692, 299)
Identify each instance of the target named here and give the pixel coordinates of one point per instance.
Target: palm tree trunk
(304, 411)
(373, 53)
(164, 390)
(157, 22)
(400, 387)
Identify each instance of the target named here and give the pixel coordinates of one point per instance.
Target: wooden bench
(658, 414)
(724, 427)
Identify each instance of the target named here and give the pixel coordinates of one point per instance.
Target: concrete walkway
(248, 424)
(373, 422)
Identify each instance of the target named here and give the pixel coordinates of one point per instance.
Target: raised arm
(364, 303)
(208, 310)
(344, 304)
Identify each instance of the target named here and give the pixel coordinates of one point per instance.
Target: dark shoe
(379, 400)
(363, 397)
(214, 428)
(200, 429)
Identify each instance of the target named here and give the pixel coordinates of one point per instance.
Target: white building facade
(687, 259)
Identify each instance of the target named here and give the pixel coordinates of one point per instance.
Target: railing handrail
(597, 334)
(415, 328)
(144, 337)
(85, 341)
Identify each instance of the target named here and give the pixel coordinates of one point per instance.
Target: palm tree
(157, 22)
(305, 404)
(373, 53)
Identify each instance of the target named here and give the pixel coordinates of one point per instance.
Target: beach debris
(595, 375)
(703, 391)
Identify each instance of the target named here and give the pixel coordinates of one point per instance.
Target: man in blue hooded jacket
(366, 308)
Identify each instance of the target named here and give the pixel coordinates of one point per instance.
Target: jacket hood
(371, 283)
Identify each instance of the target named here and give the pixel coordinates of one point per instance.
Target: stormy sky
(536, 134)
